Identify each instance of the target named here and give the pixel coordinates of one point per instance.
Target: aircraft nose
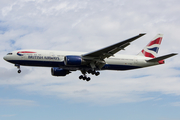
(5, 58)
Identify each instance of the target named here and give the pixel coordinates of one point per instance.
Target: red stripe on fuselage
(157, 41)
(26, 52)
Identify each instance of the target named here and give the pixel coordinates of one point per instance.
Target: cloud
(10, 76)
(17, 102)
(177, 104)
(8, 115)
(87, 26)
(104, 90)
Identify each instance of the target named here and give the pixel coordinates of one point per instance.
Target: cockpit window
(9, 54)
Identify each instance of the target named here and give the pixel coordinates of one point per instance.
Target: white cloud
(88, 26)
(177, 104)
(109, 88)
(17, 102)
(8, 115)
(7, 9)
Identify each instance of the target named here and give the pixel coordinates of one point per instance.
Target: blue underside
(61, 64)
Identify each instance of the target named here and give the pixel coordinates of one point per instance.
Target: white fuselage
(47, 58)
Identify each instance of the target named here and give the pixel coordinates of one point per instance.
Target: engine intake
(73, 60)
(55, 71)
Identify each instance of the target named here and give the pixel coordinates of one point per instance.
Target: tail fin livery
(151, 50)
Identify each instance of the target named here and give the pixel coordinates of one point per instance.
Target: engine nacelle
(73, 60)
(55, 71)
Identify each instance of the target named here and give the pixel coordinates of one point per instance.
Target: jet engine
(55, 71)
(73, 60)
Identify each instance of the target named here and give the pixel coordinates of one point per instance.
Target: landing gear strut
(18, 66)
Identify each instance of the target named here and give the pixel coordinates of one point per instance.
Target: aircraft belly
(119, 67)
(121, 64)
(37, 63)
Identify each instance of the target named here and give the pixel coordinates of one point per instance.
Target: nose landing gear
(18, 66)
(19, 71)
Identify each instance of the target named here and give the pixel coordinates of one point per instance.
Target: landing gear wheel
(88, 79)
(97, 73)
(93, 72)
(84, 78)
(81, 77)
(19, 71)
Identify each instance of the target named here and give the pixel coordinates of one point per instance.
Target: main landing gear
(18, 66)
(93, 72)
(84, 76)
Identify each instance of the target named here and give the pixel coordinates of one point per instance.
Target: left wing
(96, 58)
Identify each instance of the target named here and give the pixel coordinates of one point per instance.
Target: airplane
(63, 63)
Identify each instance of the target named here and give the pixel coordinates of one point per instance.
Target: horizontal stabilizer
(161, 58)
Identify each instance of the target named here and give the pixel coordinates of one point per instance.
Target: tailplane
(162, 58)
(151, 50)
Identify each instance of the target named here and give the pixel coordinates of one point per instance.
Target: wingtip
(142, 33)
(175, 53)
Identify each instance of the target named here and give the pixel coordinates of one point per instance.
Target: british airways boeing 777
(63, 63)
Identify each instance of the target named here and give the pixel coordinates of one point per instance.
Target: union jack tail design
(151, 50)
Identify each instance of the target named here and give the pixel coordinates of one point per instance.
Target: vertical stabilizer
(151, 50)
